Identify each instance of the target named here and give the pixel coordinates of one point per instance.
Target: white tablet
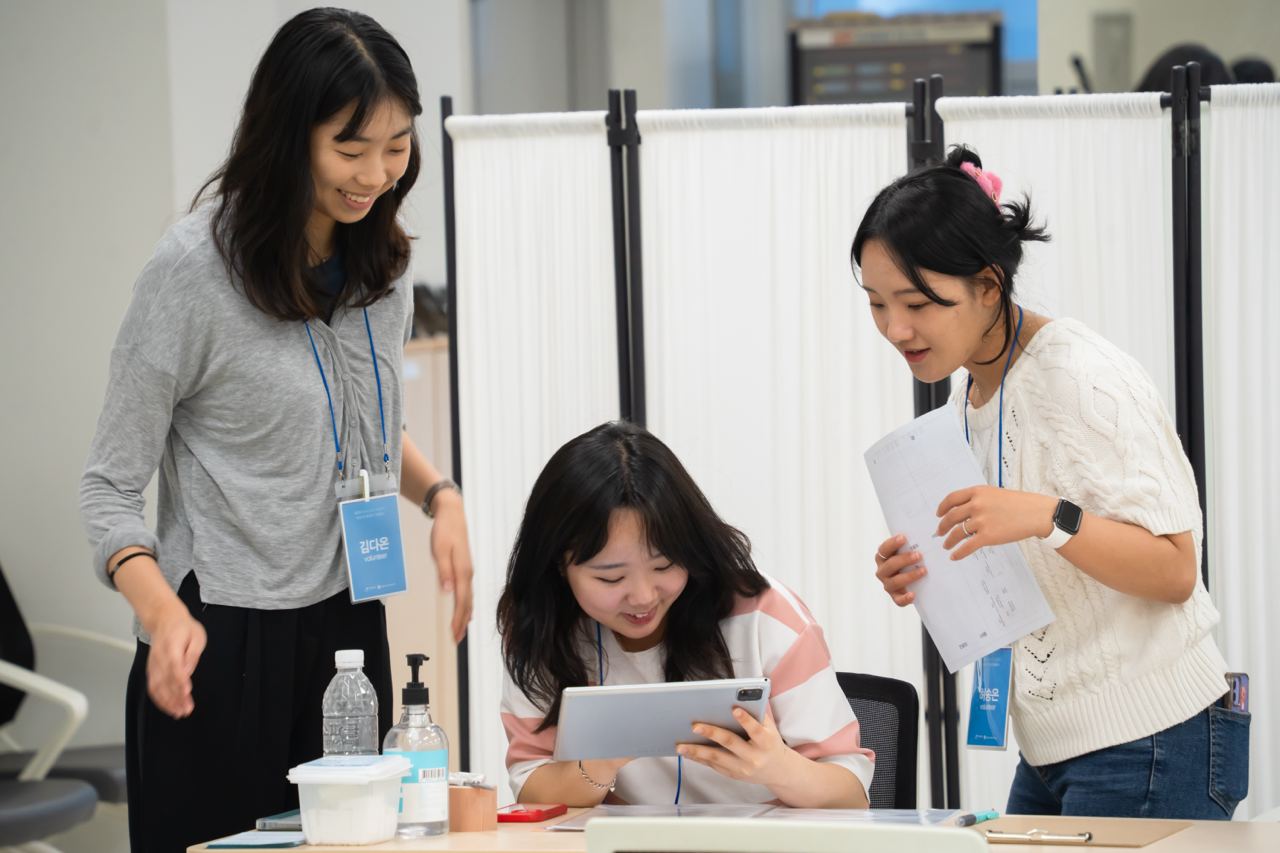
(648, 720)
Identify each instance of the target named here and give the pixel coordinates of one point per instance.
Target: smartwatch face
(1068, 517)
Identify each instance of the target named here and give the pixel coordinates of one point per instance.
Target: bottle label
(424, 791)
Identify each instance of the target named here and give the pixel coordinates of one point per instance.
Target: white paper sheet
(579, 822)
(260, 839)
(926, 817)
(914, 817)
(971, 606)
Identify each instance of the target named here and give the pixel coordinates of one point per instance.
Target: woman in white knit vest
(1116, 704)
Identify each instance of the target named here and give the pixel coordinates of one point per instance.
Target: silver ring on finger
(964, 525)
(881, 556)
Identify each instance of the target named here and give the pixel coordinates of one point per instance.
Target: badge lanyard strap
(1000, 435)
(978, 669)
(333, 419)
(377, 378)
(600, 672)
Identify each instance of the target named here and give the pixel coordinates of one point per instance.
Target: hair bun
(962, 154)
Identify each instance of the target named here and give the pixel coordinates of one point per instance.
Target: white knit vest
(1083, 421)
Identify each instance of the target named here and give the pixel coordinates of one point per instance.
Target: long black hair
(566, 522)
(318, 63)
(938, 218)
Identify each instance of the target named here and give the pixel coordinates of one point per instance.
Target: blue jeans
(1197, 770)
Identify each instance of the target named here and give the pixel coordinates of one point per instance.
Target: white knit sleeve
(1113, 444)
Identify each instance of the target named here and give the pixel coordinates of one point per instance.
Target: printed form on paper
(971, 606)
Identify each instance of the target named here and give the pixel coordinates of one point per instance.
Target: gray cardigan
(227, 402)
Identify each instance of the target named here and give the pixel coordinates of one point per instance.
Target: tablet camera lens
(750, 694)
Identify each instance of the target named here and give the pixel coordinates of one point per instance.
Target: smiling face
(349, 175)
(626, 587)
(935, 339)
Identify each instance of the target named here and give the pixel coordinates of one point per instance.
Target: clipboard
(1078, 831)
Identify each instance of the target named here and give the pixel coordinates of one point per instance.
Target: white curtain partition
(1242, 359)
(765, 372)
(1097, 169)
(537, 341)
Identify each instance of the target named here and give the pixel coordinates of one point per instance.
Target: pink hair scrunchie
(989, 181)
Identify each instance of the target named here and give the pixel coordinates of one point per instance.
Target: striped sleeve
(527, 749)
(808, 706)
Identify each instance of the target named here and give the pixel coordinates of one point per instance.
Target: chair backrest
(15, 647)
(764, 835)
(888, 711)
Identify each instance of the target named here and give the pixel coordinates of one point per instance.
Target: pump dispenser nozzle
(415, 692)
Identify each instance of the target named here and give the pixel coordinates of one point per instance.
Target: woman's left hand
(452, 552)
(978, 516)
(762, 757)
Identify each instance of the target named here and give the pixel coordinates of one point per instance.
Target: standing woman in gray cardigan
(258, 366)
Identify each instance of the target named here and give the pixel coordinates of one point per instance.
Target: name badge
(989, 705)
(373, 548)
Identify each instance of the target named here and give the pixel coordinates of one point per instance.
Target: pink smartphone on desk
(530, 812)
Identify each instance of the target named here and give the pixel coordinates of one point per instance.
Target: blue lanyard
(1000, 435)
(980, 668)
(600, 673)
(377, 378)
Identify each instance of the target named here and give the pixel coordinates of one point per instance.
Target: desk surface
(1233, 836)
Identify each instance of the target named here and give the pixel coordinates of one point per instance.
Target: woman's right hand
(898, 571)
(177, 640)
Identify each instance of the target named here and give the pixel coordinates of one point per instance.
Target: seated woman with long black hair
(622, 573)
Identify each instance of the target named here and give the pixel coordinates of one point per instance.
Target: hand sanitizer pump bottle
(424, 792)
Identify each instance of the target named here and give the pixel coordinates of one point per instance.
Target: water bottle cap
(347, 658)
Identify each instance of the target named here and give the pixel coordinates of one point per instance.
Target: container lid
(349, 770)
(348, 657)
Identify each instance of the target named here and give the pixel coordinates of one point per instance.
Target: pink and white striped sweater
(772, 634)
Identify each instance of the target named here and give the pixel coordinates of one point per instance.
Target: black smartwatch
(1066, 523)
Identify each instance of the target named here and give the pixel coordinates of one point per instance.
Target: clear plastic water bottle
(350, 708)
(424, 792)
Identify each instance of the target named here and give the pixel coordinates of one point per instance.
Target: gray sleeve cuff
(124, 535)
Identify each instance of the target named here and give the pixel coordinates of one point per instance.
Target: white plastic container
(349, 799)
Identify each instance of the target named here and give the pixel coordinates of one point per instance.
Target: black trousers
(257, 689)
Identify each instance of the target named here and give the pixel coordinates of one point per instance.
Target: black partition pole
(635, 266)
(1178, 118)
(917, 155)
(918, 147)
(622, 302)
(455, 419)
(941, 713)
(1195, 309)
(628, 276)
(941, 391)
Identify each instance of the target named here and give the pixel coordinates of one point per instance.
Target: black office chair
(889, 713)
(31, 806)
(102, 767)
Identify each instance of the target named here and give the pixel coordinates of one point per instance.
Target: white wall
(1230, 28)
(114, 115)
(557, 55)
(588, 55)
(663, 50)
(85, 162)
(521, 55)
(765, 26)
